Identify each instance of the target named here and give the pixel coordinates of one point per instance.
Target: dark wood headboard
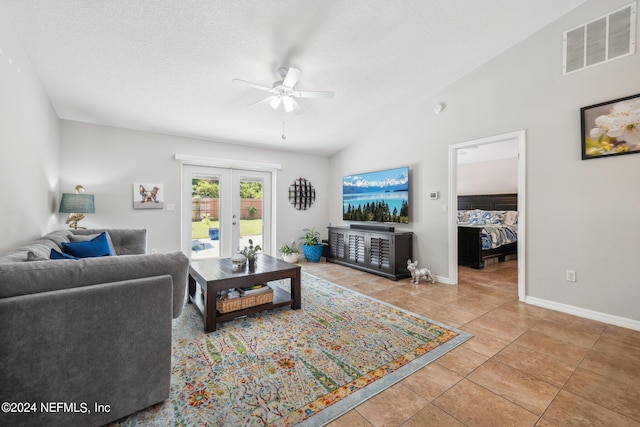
(489, 202)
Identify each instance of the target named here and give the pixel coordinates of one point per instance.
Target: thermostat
(433, 195)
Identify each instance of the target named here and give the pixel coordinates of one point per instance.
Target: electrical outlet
(571, 276)
(154, 251)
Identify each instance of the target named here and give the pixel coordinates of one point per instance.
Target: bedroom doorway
(514, 141)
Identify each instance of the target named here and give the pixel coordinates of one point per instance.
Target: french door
(223, 209)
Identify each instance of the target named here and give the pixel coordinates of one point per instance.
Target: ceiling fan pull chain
(283, 135)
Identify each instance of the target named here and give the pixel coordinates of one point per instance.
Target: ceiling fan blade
(293, 74)
(263, 101)
(312, 94)
(287, 102)
(254, 85)
(275, 102)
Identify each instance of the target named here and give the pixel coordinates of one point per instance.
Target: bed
(487, 228)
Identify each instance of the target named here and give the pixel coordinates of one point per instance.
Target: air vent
(604, 39)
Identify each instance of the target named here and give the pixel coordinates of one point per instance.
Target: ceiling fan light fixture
(287, 102)
(275, 102)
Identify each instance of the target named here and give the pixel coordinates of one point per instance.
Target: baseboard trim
(444, 280)
(583, 312)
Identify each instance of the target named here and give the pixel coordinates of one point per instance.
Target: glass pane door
(205, 216)
(223, 209)
(250, 210)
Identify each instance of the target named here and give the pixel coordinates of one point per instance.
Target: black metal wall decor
(302, 194)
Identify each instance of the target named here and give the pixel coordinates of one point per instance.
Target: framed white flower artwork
(148, 196)
(611, 128)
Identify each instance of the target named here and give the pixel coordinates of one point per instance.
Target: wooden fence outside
(212, 206)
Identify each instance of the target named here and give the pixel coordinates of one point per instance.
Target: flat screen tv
(381, 196)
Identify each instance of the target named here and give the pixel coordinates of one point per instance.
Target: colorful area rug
(294, 367)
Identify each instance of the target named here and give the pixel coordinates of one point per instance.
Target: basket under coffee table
(218, 274)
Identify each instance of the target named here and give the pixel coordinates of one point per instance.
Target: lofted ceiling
(167, 66)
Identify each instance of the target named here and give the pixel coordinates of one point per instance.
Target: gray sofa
(79, 333)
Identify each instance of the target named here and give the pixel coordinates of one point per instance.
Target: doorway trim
(520, 136)
(188, 159)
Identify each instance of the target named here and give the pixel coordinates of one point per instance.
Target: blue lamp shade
(77, 203)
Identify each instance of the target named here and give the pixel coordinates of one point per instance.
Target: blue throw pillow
(59, 255)
(96, 247)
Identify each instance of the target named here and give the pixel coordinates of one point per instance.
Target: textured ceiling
(167, 65)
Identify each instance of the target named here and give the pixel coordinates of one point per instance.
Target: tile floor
(525, 365)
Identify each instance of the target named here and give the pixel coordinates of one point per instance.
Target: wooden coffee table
(218, 274)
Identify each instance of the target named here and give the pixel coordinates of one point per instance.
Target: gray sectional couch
(77, 334)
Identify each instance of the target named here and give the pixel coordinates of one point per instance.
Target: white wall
(108, 160)
(29, 146)
(580, 213)
(490, 177)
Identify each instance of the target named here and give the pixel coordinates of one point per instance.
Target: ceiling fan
(283, 92)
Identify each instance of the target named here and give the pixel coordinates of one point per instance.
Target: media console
(376, 249)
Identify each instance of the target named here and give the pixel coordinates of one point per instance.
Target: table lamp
(77, 205)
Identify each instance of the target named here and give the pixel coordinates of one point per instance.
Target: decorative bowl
(239, 259)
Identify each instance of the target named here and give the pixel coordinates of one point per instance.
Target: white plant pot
(293, 258)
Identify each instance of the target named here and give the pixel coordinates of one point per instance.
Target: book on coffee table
(255, 289)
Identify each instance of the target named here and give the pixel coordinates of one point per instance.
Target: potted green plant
(251, 252)
(290, 253)
(214, 233)
(311, 246)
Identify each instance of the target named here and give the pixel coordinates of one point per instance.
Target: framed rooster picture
(148, 196)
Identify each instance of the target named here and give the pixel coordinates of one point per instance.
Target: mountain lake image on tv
(381, 196)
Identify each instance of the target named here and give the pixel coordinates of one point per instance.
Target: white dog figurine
(417, 273)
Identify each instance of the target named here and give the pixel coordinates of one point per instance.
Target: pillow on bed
(496, 217)
(476, 217)
(511, 218)
(480, 217)
(463, 216)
